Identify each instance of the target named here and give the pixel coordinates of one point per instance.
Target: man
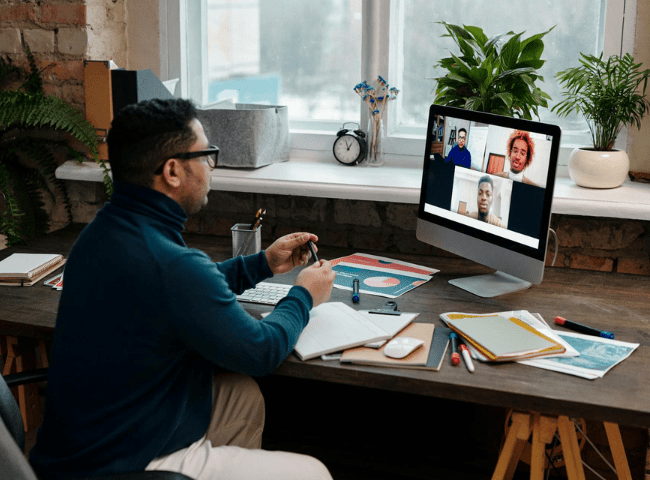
(521, 150)
(459, 154)
(151, 351)
(484, 200)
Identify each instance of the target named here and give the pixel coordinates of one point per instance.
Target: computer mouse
(400, 347)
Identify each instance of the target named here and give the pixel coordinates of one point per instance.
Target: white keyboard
(265, 293)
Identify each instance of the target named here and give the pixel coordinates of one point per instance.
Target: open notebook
(334, 327)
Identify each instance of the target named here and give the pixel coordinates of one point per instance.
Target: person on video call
(459, 153)
(484, 203)
(152, 354)
(520, 150)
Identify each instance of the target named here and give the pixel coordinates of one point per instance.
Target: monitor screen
(487, 191)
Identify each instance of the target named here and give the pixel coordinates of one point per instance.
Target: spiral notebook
(25, 269)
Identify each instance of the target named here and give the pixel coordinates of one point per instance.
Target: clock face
(347, 149)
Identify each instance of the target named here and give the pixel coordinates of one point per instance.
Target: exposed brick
(585, 262)
(39, 41)
(66, 14)
(598, 233)
(637, 266)
(10, 41)
(363, 214)
(63, 71)
(74, 95)
(72, 41)
(402, 216)
(215, 225)
(17, 13)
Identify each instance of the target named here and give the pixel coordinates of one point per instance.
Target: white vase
(597, 168)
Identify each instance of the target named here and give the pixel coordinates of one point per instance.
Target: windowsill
(389, 183)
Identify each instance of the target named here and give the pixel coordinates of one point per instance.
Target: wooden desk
(613, 302)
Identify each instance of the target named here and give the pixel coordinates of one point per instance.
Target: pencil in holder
(246, 241)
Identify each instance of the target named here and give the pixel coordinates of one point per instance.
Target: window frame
(380, 54)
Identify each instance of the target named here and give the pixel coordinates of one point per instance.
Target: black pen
(310, 244)
(355, 290)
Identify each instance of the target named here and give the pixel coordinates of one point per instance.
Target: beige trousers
(231, 448)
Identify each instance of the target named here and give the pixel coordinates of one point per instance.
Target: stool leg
(618, 452)
(570, 448)
(543, 431)
(509, 457)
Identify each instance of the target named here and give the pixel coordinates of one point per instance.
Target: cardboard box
(248, 135)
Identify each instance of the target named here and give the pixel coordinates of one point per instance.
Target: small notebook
(28, 268)
(428, 357)
(333, 327)
(504, 339)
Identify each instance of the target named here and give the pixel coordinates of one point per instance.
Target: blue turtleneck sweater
(143, 324)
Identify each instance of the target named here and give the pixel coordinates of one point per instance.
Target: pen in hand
(310, 244)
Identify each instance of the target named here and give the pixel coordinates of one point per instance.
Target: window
(309, 55)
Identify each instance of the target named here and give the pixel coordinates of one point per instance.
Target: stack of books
(501, 339)
(25, 269)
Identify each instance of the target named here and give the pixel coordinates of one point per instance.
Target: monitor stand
(491, 285)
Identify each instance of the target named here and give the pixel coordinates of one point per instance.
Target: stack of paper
(500, 338)
(25, 269)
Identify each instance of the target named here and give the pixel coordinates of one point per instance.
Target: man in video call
(459, 153)
(484, 203)
(521, 150)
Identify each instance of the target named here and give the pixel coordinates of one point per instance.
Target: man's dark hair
(145, 134)
(461, 129)
(486, 179)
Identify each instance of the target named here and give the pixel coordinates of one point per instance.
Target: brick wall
(603, 244)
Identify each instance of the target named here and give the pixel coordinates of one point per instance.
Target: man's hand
(289, 251)
(318, 279)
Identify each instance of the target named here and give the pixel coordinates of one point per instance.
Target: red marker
(467, 357)
(455, 356)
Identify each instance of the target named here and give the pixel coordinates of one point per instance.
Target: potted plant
(610, 94)
(492, 74)
(28, 151)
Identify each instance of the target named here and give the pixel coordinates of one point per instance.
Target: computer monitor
(487, 190)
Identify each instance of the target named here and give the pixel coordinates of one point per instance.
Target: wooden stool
(543, 428)
(19, 356)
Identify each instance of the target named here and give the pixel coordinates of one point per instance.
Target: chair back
(13, 463)
(10, 414)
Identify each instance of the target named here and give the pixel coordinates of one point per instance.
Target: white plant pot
(597, 168)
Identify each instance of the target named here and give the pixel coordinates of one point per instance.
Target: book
(333, 327)
(391, 324)
(25, 269)
(501, 338)
(427, 357)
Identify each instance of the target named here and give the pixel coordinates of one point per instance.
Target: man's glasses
(461, 138)
(211, 153)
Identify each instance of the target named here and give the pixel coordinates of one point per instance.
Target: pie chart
(381, 282)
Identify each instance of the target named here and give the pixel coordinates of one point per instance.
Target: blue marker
(355, 290)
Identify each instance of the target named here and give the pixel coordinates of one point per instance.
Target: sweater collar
(148, 202)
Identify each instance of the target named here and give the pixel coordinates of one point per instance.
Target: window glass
(578, 28)
(303, 54)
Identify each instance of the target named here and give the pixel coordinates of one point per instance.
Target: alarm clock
(350, 145)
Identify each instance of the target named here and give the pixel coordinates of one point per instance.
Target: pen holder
(244, 240)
